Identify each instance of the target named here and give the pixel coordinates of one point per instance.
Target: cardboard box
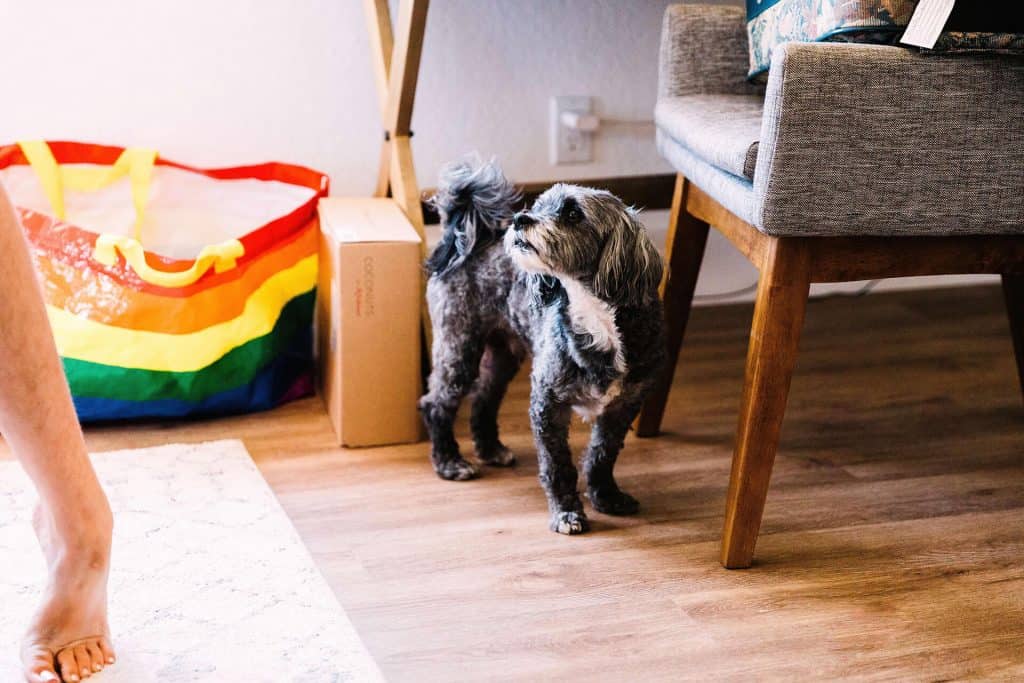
(368, 321)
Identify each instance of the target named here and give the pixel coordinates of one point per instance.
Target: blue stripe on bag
(264, 392)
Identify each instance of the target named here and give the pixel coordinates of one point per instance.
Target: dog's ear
(630, 268)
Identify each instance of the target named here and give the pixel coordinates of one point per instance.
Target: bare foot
(68, 639)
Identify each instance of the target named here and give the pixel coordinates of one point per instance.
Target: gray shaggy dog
(574, 281)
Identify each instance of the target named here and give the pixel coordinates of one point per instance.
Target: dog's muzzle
(519, 242)
(520, 222)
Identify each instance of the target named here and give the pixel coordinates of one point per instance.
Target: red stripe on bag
(75, 245)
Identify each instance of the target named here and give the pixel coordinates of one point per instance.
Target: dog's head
(588, 235)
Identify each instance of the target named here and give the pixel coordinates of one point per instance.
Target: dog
(573, 281)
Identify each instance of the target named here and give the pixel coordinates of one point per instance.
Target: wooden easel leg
(382, 45)
(403, 183)
(396, 68)
(778, 318)
(383, 186)
(407, 196)
(684, 247)
(405, 66)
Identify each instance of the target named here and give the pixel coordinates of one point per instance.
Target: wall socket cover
(568, 145)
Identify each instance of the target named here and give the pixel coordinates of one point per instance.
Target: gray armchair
(852, 162)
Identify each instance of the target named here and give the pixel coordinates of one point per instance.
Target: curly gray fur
(474, 201)
(574, 282)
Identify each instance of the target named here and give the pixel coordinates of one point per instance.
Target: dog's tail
(475, 201)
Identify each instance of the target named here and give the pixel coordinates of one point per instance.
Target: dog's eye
(574, 216)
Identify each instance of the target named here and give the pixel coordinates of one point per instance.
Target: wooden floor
(892, 547)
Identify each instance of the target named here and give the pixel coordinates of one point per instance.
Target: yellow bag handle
(137, 164)
(221, 256)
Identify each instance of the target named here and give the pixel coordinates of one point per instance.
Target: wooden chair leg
(1013, 293)
(778, 317)
(684, 246)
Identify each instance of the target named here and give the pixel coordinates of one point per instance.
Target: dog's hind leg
(550, 421)
(606, 440)
(501, 360)
(456, 365)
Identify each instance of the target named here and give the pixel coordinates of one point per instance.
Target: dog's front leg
(606, 441)
(550, 421)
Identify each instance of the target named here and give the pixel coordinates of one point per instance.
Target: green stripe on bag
(234, 369)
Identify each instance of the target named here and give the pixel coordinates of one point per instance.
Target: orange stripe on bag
(103, 299)
(75, 247)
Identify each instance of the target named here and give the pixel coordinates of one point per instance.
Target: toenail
(97, 667)
(110, 660)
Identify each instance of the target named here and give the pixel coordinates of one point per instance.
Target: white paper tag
(926, 24)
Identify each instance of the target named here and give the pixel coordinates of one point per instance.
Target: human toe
(39, 665)
(83, 660)
(96, 659)
(107, 651)
(69, 670)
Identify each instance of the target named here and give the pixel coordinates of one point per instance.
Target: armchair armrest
(704, 51)
(891, 140)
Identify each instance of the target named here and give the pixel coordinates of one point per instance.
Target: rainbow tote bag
(172, 291)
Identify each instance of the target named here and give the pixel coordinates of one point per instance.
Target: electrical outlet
(567, 145)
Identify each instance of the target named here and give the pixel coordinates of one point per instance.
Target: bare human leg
(68, 637)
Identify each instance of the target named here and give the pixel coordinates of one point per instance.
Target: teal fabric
(773, 22)
(755, 7)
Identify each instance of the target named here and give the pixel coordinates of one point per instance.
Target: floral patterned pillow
(772, 22)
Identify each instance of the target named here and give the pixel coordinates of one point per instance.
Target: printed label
(365, 294)
(926, 24)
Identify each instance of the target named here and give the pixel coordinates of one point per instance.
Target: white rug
(210, 580)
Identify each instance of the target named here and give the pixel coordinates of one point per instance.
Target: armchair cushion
(731, 191)
(721, 129)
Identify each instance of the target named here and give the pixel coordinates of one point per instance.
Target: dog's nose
(522, 220)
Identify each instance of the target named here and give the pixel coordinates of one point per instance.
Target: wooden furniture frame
(788, 266)
(396, 65)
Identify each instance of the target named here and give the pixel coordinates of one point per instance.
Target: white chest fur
(591, 316)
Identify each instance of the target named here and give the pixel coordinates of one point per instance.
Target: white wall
(214, 82)
(226, 81)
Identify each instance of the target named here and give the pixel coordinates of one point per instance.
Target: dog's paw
(613, 502)
(499, 456)
(570, 523)
(456, 469)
